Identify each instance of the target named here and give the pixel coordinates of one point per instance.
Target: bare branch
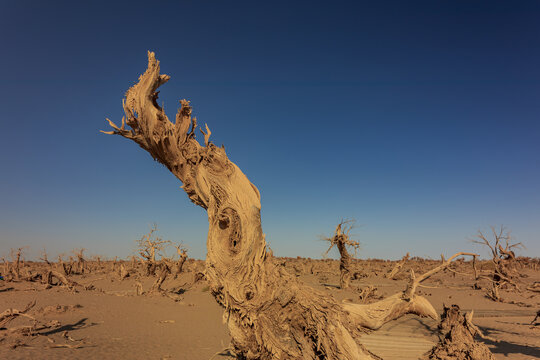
(415, 281)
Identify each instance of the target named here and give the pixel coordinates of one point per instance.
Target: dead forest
(50, 300)
(271, 307)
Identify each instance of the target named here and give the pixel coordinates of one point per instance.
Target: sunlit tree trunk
(270, 314)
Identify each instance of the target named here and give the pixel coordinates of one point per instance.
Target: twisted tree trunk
(341, 240)
(270, 314)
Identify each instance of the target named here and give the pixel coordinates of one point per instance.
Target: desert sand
(103, 317)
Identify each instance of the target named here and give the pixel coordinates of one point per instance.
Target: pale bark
(270, 314)
(397, 267)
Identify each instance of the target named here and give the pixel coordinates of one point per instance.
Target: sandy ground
(112, 322)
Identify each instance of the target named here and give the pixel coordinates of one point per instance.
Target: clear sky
(419, 119)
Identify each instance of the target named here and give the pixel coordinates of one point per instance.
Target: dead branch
(367, 293)
(60, 279)
(535, 287)
(415, 281)
(44, 257)
(397, 267)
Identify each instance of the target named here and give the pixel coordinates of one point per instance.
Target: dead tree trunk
(62, 267)
(164, 272)
(81, 262)
(182, 257)
(61, 279)
(270, 314)
(122, 272)
(16, 259)
(341, 240)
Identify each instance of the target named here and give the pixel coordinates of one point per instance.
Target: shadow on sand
(81, 324)
(505, 347)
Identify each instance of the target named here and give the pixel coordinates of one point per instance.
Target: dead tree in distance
(16, 260)
(82, 266)
(182, 257)
(342, 240)
(503, 259)
(270, 314)
(150, 246)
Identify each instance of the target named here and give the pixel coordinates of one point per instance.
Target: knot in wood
(249, 293)
(229, 223)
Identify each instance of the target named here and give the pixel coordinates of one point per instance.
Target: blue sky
(420, 119)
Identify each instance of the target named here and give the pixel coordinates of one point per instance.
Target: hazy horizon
(418, 119)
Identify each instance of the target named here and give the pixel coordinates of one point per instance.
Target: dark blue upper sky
(420, 119)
